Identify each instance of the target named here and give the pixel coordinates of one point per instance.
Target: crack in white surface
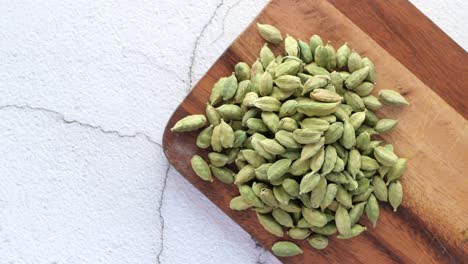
(261, 250)
(161, 217)
(82, 124)
(197, 42)
(224, 21)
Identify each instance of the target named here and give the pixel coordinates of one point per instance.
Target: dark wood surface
(431, 226)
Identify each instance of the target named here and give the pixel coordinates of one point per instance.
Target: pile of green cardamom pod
(294, 133)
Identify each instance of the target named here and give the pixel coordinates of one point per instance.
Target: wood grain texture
(431, 226)
(416, 42)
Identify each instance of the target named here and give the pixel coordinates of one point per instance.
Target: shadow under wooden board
(431, 226)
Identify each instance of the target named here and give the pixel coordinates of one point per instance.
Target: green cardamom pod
(238, 204)
(267, 103)
(327, 230)
(371, 76)
(321, 56)
(245, 175)
(223, 174)
(213, 116)
(355, 231)
(204, 138)
(363, 196)
(314, 217)
(390, 97)
(272, 146)
(380, 189)
(270, 224)
(261, 171)
(299, 233)
(201, 168)
(369, 164)
(356, 212)
(323, 95)
(317, 108)
(266, 84)
(342, 220)
(309, 182)
(229, 87)
(266, 56)
(310, 150)
(249, 196)
(354, 162)
(287, 124)
(354, 101)
(371, 102)
(337, 82)
(343, 197)
(395, 194)
(270, 33)
(348, 140)
(357, 119)
(280, 195)
(242, 89)
(318, 241)
(242, 71)
(227, 135)
(396, 170)
(342, 55)
(314, 42)
(372, 209)
(282, 217)
(292, 154)
(333, 133)
(305, 52)
(189, 123)
(288, 108)
(354, 62)
(291, 207)
(291, 187)
(385, 156)
(357, 77)
(307, 135)
(230, 112)
(271, 120)
(339, 165)
(315, 123)
(315, 70)
(291, 46)
(257, 125)
(330, 159)
(278, 169)
(215, 96)
(318, 194)
(217, 159)
(371, 118)
(288, 83)
(266, 195)
(286, 249)
(364, 89)
(385, 125)
(317, 160)
(289, 67)
(331, 63)
(286, 139)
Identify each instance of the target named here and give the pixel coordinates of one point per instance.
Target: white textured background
(86, 88)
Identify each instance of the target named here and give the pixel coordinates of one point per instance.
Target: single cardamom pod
(299, 167)
(224, 175)
(395, 194)
(321, 56)
(253, 158)
(288, 83)
(323, 95)
(330, 159)
(271, 120)
(385, 156)
(217, 159)
(330, 195)
(354, 101)
(305, 52)
(371, 102)
(270, 224)
(327, 230)
(371, 76)
(337, 82)
(286, 139)
(348, 140)
(280, 195)
(309, 182)
(230, 112)
(267, 103)
(266, 55)
(357, 77)
(280, 94)
(390, 97)
(306, 135)
(343, 197)
(385, 125)
(310, 150)
(266, 195)
(287, 124)
(299, 233)
(357, 119)
(369, 164)
(371, 118)
(270, 33)
(364, 89)
(242, 89)
(342, 220)
(291, 46)
(317, 160)
(355, 231)
(286, 249)
(261, 171)
(318, 193)
(342, 55)
(354, 62)
(266, 84)
(249, 196)
(318, 241)
(242, 71)
(227, 135)
(315, 70)
(189, 123)
(201, 168)
(317, 108)
(278, 169)
(245, 175)
(289, 67)
(339, 165)
(257, 188)
(213, 116)
(282, 217)
(291, 207)
(380, 189)
(229, 87)
(204, 138)
(288, 108)
(333, 133)
(257, 125)
(238, 204)
(356, 212)
(314, 42)
(331, 63)
(292, 154)
(363, 196)
(314, 83)
(372, 209)
(240, 137)
(396, 170)
(272, 146)
(354, 162)
(314, 217)
(291, 187)
(215, 96)
(315, 123)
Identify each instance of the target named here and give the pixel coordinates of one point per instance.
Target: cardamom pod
(286, 249)
(286, 139)
(271, 120)
(309, 182)
(396, 170)
(314, 217)
(249, 196)
(299, 233)
(230, 112)
(291, 187)
(282, 217)
(266, 56)
(323, 95)
(354, 62)
(305, 52)
(357, 77)
(270, 33)
(204, 138)
(266, 84)
(342, 220)
(315, 70)
(288, 83)
(267, 103)
(306, 135)
(317, 160)
(348, 140)
(371, 76)
(317, 108)
(318, 241)
(278, 169)
(201, 168)
(355, 231)
(356, 212)
(310, 150)
(290, 46)
(395, 194)
(385, 156)
(238, 204)
(385, 125)
(390, 97)
(314, 42)
(372, 209)
(342, 55)
(189, 123)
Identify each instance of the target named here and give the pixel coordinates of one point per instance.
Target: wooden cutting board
(412, 56)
